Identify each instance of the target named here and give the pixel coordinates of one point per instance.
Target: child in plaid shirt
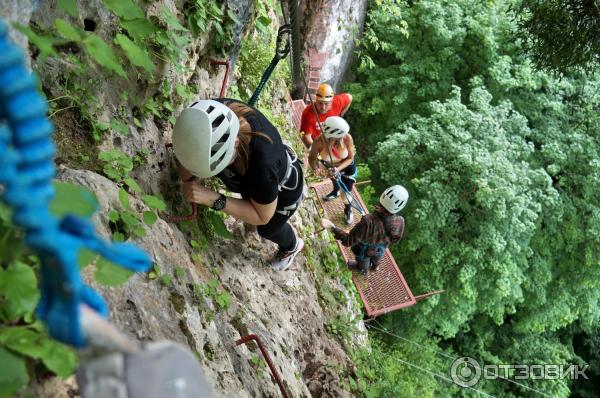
(373, 234)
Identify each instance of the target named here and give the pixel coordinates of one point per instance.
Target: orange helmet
(324, 93)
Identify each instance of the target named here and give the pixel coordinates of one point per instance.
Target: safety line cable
(445, 378)
(385, 331)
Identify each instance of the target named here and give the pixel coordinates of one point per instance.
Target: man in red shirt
(327, 104)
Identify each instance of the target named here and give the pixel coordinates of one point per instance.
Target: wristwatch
(220, 203)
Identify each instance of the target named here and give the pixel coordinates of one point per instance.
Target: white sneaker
(349, 217)
(283, 259)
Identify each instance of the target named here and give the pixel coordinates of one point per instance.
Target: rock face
(283, 308)
(331, 26)
(286, 309)
(21, 15)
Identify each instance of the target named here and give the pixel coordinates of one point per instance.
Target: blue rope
(26, 171)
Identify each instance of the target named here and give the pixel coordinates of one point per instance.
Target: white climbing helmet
(335, 127)
(394, 198)
(204, 137)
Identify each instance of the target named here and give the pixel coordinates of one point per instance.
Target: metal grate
(382, 291)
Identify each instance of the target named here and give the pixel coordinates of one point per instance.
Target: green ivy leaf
(114, 216)
(123, 198)
(149, 217)
(5, 213)
(129, 218)
(14, 373)
(44, 43)
(119, 126)
(72, 199)
(125, 9)
(139, 29)
(68, 6)
(172, 20)
(67, 30)
(118, 237)
(139, 231)
(154, 203)
(136, 55)
(218, 224)
(18, 285)
(85, 258)
(110, 274)
(11, 242)
(133, 185)
(103, 54)
(57, 357)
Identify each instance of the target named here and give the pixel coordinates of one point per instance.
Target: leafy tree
(501, 161)
(561, 34)
(475, 207)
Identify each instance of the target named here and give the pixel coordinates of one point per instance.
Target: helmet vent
(218, 120)
(217, 162)
(210, 109)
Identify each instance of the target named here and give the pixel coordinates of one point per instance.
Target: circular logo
(465, 371)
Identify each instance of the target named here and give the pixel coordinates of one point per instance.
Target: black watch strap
(220, 203)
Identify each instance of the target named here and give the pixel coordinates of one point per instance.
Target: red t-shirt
(309, 123)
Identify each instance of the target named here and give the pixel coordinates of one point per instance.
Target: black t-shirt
(267, 165)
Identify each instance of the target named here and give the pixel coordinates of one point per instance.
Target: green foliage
(63, 203)
(68, 6)
(23, 342)
(117, 164)
(341, 326)
(14, 373)
(110, 274)
(561, 35)
(500, 161)
(136, 55)
(202, 14)
(220, 298)
(20, 293)
(103, 54)
(256, 53)
(44, 43)
(384, 370)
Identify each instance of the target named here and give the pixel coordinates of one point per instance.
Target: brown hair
(242, 156)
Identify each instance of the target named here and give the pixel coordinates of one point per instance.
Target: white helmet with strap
(204, 137)
(335, 127)
(394, 198)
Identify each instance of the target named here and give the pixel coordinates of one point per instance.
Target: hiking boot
(283, 259)
(375, 267)
(348, 215)
(331, 196)
(352, 264)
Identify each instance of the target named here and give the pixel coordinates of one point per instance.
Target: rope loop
(26, 172)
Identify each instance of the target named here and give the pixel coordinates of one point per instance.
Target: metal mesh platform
(382, 291)
(297, 108)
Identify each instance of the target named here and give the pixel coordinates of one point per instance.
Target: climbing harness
(291, 169)
(336, 176)
(282, 48)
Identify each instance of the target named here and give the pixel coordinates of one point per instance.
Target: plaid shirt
(373, 229)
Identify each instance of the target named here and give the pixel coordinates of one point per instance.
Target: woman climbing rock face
(229, 139)
(335, 148)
